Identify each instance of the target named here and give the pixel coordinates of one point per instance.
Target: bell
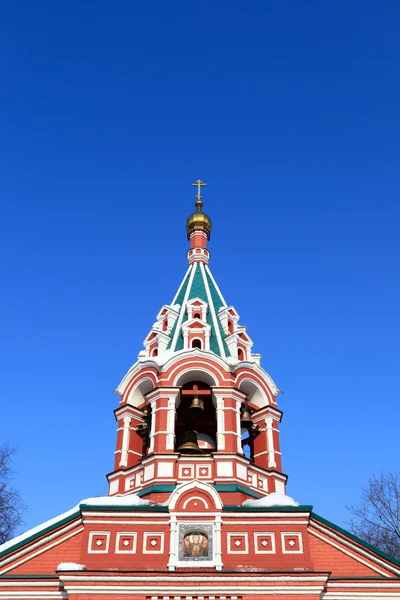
(146, 413)
(197, 405)
(245, 421)
(141, 429)
(189, 443)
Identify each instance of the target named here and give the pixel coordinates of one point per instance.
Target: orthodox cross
(196, 392)
(199, 184)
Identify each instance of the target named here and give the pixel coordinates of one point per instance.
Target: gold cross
(199, 183)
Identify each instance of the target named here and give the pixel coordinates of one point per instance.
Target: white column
(170, 441)
(206, 340)
(125, 442)
(220, 423)
(153, 425)
(173, 544)
(185, 340)
(238, 428)
(217, 543)
(270, 442)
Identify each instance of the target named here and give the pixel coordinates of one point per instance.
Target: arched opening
(196, 419)
(196, 315)
(155, 352)
(240, 354)
(196, 344)
(247, 444)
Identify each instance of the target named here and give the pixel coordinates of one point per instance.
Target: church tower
(197, 404)
(197, 506)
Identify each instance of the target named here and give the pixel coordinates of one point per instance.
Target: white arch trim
(194, 485)
(195, 498)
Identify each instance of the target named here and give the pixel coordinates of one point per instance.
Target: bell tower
(197, 404)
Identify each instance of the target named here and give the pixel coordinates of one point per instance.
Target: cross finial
(199, 184)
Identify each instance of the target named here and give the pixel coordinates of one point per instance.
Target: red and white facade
(208, 520)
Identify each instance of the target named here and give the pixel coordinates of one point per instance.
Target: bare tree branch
(11, 503)
(376, 518)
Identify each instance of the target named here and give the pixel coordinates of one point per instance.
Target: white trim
(192, 485)
(213, 313)
(231, 535)
(195, 498)
(347, 542)
(183, 307)
(298, 535)
(121, 534)
(39, 595)
(216, 286)
(385, 584)
(180, 287)
(236, 577)
(193, 590)
(118, 522)
(148, 534)
(357, 558)
(29, 549)
(102, 550)
(271, 535)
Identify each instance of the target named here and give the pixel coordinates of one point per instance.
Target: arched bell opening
(196, 422)
(144, 429)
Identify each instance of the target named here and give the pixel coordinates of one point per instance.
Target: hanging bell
(197, 405)
(146, 413)
(189, 443)
(255, 429)
(142, 429)
(245, 421)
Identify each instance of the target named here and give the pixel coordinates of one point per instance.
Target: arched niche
(201, 375)
(137, 395)
(254, 392)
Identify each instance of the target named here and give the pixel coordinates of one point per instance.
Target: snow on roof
(273, 499)
(38, 528)
(128, 500)
(70, 566)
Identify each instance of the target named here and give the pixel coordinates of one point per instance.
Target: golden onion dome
(198, 220)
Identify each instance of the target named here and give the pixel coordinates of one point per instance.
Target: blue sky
(290, 112)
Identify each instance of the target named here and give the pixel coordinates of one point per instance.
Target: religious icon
(195, 544)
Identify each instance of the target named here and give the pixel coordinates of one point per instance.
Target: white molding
(193, 485)
(183, 307)
(354, 556)
(271, 535)
(90, 540)
(180, 287)
(298, 535)
(217, 288)
(195, 498)
(29, 549)
(212, 310)
(349, 544)
(193, 590)
(236, 577)
(148, 534)
(120, 534)
(231, 535)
